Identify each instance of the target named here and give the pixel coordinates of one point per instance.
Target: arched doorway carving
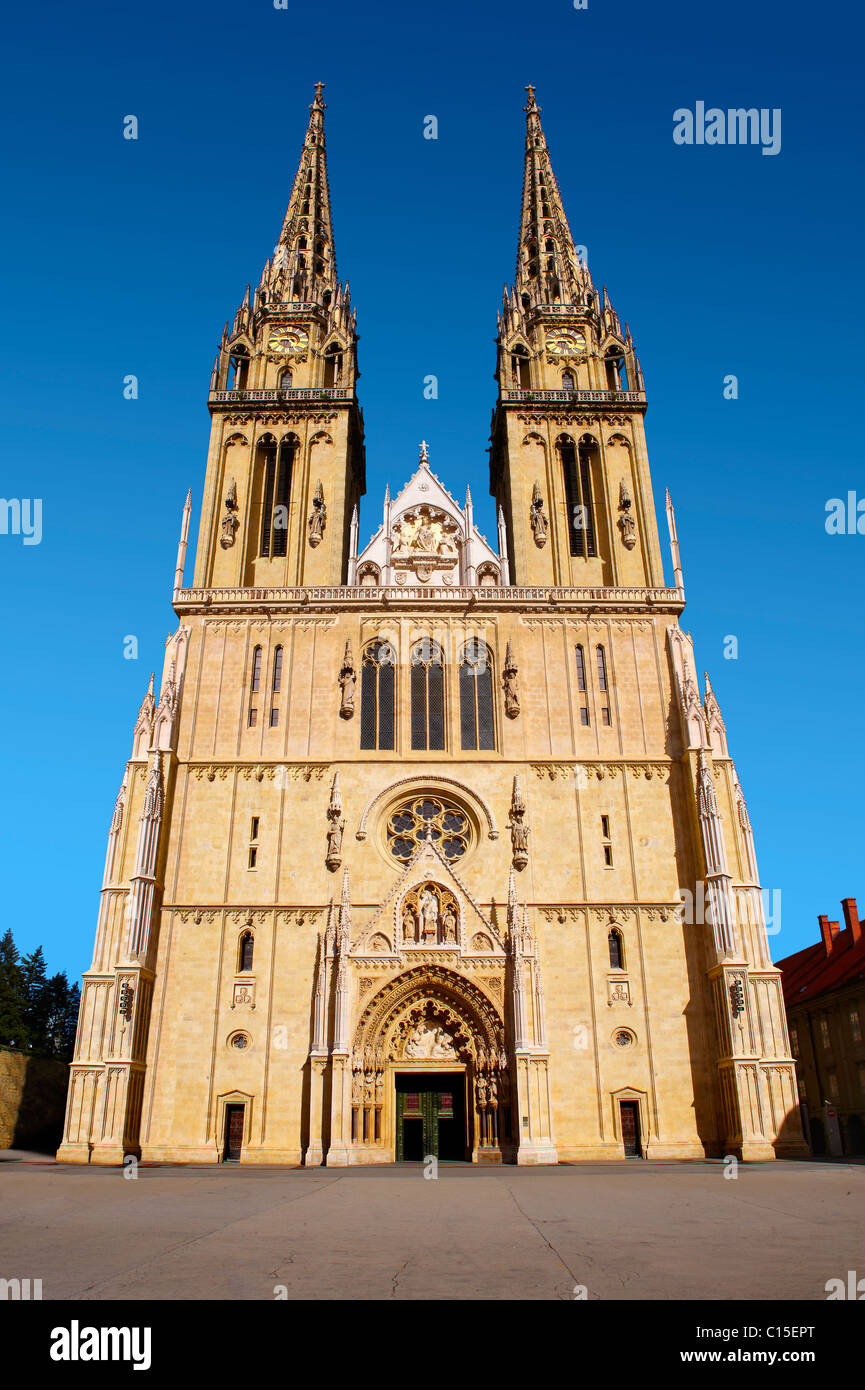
(430, 1019)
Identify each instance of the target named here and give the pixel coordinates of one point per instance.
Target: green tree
(14, 1030)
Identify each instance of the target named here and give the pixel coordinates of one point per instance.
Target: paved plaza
(621, 1230)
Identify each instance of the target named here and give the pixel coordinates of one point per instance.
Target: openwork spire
(548, 269)
(304, 263)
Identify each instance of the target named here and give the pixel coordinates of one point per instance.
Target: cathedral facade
(396, 867)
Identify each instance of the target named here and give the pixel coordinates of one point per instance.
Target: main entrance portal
(431, 1116)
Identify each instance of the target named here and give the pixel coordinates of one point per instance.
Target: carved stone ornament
(509, 684)
(317, 517)
(538, 517)
(336, 826)
(518, 828)
(230, 522)
(626, 523)
(347, 681)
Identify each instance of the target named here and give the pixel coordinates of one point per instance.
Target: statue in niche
(449, 924)
(317, 517)
(409, 924)
(429, 913)
(538, 517)
(230, 523)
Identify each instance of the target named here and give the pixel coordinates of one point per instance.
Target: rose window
(427, 817)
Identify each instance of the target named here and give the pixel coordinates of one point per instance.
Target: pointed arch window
(238, 371)
(581, 669)
(520, 368)
(567, 381)
(332, 365)
(617, 372)
(286, 378)
(277, 463)
(616, 945)
(602, 668)
(578, 494)
(477, 729)
(247, 947)
(377, 696)
(427, 696)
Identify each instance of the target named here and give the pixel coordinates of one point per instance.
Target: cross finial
(424, 454)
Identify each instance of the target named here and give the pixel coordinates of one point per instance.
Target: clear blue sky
(126, 257)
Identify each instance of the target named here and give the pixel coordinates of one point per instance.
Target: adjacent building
(824, 991)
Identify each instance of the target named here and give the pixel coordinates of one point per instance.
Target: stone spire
(303, 268)
(548, 269)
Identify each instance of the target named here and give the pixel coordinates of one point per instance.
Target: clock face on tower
(560, 344)
(288, 342)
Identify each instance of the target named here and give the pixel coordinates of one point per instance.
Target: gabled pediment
(429, 909)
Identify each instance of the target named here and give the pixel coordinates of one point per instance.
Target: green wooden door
(421, 1116)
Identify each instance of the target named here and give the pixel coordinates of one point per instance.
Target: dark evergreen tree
(14, 1031)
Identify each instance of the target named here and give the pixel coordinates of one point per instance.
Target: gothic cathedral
(396, 865)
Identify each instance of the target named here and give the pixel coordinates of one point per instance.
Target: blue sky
(126, 257)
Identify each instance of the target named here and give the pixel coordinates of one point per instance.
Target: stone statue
(627, 525)
(347, 681)
(229, 523)
(317, 517)
(509, 685)
(334, 841)
(409, 924)
(429, 911)
(538, 517)
(449, 922)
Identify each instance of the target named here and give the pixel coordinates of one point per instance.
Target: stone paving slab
(623, 1230)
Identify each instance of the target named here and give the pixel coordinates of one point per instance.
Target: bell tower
(286, 466)
(568, 462)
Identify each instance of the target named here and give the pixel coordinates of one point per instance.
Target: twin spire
(303, 266)
(548, 267)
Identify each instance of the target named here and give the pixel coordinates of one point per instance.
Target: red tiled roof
(811, 971)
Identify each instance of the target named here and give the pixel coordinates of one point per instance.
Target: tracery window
(477, 729)
(578, 494)
(277, 464)
(423, 817)
(377, 696)
(427, 696)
